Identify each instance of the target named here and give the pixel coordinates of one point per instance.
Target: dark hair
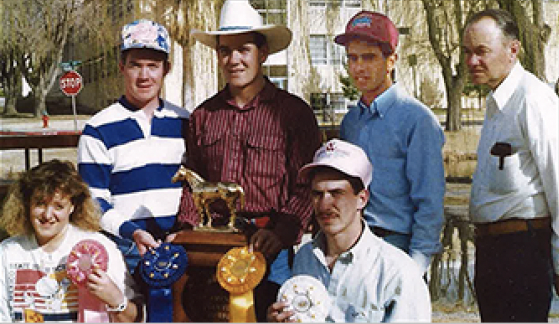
(504, 20)
(124, 54)
(355, 182)
(385, 48)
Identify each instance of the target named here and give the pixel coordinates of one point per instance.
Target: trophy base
(197, 295)
(216, 229)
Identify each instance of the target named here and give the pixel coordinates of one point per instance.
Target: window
(325, 51)
(337, 3)
(328, 107)
(272, 11)
(318, 49)
(338, 102)
(277, 74)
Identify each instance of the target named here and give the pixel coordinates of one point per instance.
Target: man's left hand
(265, 241)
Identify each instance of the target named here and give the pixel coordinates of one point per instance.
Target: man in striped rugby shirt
(129, 151)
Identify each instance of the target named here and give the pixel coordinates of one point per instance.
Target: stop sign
(71, 83)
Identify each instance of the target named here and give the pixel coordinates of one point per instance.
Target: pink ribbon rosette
(86, 256)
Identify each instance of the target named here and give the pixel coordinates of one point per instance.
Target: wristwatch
(121, 307)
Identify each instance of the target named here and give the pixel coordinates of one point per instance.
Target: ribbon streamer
(239, 272)
(85, 256)
(159, 269)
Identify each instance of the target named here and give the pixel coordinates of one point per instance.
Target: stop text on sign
(71, 83)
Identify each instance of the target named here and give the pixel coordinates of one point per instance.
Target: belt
(382, 232)
(513, 225)
(259, 220)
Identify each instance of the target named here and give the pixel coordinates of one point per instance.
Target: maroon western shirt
(260, 146)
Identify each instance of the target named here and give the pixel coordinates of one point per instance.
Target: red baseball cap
(370, 25)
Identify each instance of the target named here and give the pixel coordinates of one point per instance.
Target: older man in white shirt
(514, 198)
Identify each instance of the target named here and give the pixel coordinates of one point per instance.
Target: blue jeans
(401, 241)
(128, 249)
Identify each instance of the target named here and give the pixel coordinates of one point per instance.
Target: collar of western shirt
(268, 93)
(382, 103)
(126, 104)
(505, 90)
(364, 242)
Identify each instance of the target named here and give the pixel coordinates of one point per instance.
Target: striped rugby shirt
(260, 146)
(128, 164)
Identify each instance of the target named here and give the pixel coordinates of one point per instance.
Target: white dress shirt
(372, 282)
(522, 111)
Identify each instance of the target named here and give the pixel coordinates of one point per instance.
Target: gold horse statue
(204, 193)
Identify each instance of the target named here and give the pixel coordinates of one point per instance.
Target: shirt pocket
(265, 156)
(371, 314)
(212, 149)
(508, 179)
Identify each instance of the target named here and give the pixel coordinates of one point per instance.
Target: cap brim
(304, 171)
(142, 46)
(278, 37)
(343, 39)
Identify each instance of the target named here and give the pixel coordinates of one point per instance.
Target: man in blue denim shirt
(401, 137)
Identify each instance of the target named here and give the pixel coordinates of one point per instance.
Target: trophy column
(197, 296)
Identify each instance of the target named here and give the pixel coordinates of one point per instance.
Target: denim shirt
(372, 282)
(404, 140)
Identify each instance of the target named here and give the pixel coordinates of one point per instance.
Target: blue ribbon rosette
(159, 269)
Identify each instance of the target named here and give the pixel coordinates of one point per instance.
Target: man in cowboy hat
(402, 138)
(256, 135)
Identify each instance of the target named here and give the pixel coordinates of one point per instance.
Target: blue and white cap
(145, 33)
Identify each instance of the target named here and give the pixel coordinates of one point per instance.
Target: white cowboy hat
(238, 16)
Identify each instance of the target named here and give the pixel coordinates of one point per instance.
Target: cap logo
(330, 146)
(363, 21)
(144, 32)
(332, 151)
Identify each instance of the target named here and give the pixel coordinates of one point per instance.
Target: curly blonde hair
(42, 183)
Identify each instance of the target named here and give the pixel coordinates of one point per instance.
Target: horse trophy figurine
(204, 193)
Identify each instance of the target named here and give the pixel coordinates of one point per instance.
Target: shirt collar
(126, 104)
(363, 244)
(268, 93)
(382, 103)
(505, 90)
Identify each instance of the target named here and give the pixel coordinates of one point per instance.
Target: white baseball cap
(344, 157)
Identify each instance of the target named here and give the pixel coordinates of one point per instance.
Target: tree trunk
(12, 91)
(40, 98)
(534, 34)
(454, 110)
(188, 94)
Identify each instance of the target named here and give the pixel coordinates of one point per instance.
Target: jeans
(128, 249)
(267, 290)
(401, 241)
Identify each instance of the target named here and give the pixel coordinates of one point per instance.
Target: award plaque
(197, 295)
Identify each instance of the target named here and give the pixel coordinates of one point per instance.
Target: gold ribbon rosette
(238, 272)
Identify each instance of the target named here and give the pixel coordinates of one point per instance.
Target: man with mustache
(367, 279)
